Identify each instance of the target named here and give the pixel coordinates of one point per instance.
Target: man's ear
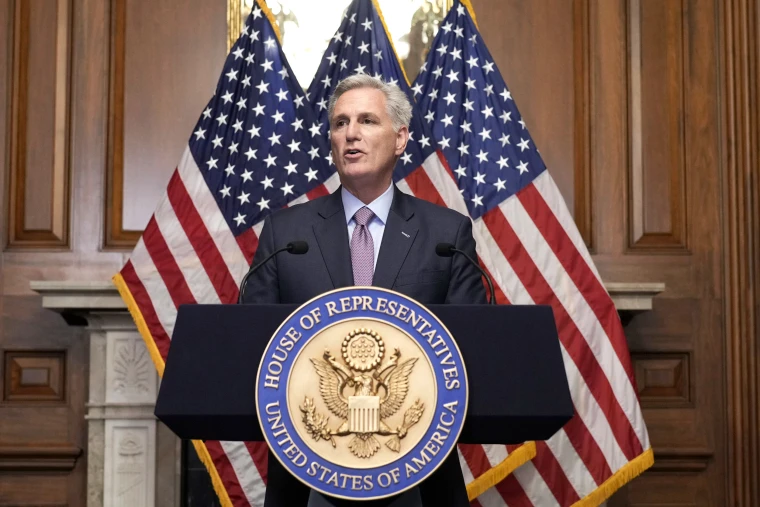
(402, 137)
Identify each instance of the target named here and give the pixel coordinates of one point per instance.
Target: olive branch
(316, 424)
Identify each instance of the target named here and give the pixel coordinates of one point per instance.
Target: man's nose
(353, 132)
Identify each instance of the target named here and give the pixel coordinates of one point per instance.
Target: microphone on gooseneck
(294, 247)
(448, 250)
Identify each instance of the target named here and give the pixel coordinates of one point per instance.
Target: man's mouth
(352, 153)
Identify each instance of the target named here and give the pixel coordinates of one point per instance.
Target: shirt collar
(380, 206)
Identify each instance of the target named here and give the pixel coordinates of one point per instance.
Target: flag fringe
(627, 473)
(205, 457)
(158, 361)
(495, 475)
(469, 8)
(390, 39)
(142, 326)
(268, 13)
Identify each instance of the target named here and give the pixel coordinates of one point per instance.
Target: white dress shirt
(380, 207)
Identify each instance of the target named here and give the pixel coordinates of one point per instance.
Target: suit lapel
(332, 236)
(400, 232)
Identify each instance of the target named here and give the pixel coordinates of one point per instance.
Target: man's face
(364, 145)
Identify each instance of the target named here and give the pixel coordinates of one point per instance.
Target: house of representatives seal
(361, 393)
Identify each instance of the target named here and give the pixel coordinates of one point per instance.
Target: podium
(517, 383)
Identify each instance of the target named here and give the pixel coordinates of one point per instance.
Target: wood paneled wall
(97, 99)
(647, 113)
(156, 72)
(623, 100)
(39, 124)
(43, 437)
(740, 73)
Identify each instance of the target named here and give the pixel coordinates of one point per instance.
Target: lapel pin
(405, 234)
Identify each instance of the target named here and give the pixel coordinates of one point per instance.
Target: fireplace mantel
(72, 298)
(132, 459)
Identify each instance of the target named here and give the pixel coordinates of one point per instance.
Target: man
(368, 233)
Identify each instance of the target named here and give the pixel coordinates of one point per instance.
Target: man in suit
(368, 233)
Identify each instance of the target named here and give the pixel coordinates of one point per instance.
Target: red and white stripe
(536, 255)
(534, 252)
(188, 254)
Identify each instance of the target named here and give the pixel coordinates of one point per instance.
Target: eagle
(389, 382)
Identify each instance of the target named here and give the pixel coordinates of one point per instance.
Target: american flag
(528, 241)
(255, 148)
(362, 45)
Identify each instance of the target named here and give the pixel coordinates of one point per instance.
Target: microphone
(448, 250)
(297, 247)
(294, 247)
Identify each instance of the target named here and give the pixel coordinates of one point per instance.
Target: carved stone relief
(130, 463)
(131, 375)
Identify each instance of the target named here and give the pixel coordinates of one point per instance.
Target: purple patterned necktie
(362, 248)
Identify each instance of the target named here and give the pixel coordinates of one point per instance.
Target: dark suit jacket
(407, 262)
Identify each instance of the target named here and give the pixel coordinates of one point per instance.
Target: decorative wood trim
(740, 26)
(116, 236)
(34, 376)
(38, 459)
(681, 460)
(639, 239)
(582, 72)
(679, 394)
(57, 236)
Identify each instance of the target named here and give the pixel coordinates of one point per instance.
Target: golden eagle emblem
(379, 391)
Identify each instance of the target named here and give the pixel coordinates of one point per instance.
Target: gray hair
(396, 101)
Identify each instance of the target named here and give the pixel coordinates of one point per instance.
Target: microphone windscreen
(298, 247)
(444, 249)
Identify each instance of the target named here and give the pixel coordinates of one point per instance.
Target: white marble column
(120, 414)
(132, 459)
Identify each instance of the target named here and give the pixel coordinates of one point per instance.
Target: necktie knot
(363, 216)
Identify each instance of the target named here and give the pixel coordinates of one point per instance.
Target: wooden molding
(56, 234)
(681, 460)
(741, 235)
(39, 458)
(34, 376)
(582, 72)
(641, 237)
(663, 379)
(116, 236)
